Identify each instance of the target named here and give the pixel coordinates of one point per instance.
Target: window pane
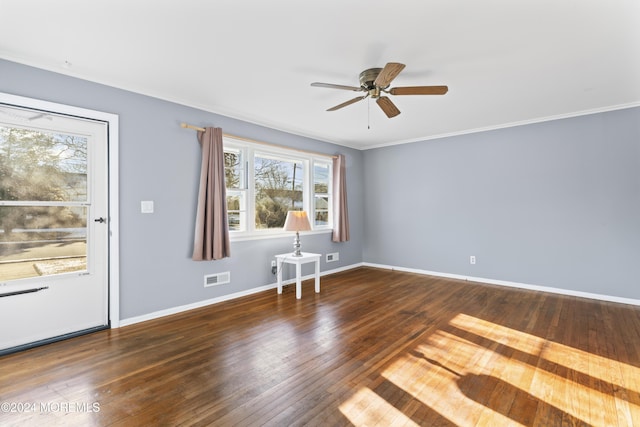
(39, 166)
(322, 203)
(321, 210)
(322, 217)
(321, 181)
(42, 240)
(233, 203)
(278, 189)
(321, 178)
(236, 210)
(233, 169)
(234, 221)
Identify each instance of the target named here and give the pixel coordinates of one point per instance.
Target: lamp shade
(297, 221)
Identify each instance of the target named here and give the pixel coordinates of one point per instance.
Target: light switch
(146, 206)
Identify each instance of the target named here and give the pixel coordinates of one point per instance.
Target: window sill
(274, 235)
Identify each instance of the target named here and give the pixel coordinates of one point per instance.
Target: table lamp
(297, 221)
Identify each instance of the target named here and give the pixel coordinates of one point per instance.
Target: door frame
(113, 238)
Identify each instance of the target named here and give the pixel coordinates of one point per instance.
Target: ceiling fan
(375, 82)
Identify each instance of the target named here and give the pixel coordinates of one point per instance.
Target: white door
(53, 226)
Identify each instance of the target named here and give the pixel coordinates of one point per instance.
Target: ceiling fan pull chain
(369, 113)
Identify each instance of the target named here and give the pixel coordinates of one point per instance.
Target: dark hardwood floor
(375, 347)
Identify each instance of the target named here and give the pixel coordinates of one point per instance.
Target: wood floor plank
(375, 347)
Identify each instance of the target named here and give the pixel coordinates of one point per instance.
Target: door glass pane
(43, 195)
(42, 240)
(42, 166)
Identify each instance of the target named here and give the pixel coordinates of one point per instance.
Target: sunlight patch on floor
(475, 372)
(576, 359)
(498, 360)
(483, 368)
(366, 408)
(435, 385)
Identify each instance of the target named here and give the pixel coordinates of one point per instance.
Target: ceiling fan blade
(388, 107)
(419, 90)
(332, 86)
(351, 101)
(388, 73)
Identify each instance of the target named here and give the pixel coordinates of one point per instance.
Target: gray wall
(160, 161)
(553, 204)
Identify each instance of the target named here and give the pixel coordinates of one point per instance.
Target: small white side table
(298, 261)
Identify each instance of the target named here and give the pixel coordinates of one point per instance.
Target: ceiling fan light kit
(375, 82)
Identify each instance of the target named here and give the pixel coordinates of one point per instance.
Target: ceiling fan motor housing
(367, 77)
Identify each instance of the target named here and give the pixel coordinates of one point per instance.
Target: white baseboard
(204, 303)
(186, 307)
(338, 270)
(199, 304)
(568, 292)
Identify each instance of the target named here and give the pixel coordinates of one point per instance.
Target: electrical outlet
(472, 259)
(274, 269)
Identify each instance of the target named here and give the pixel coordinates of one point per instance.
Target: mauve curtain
(340, 212)
(212, 233)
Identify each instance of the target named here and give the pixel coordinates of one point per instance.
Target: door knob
(101, 220)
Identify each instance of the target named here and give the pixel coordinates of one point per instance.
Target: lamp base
(296, 245)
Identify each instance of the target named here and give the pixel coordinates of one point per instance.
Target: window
(264, 183)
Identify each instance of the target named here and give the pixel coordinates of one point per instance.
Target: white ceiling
(506, 62)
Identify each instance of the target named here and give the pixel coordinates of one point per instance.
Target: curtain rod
(201, 129)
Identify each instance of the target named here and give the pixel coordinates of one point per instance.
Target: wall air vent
(217, 279)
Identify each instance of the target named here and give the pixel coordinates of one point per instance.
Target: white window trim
(249, 149)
